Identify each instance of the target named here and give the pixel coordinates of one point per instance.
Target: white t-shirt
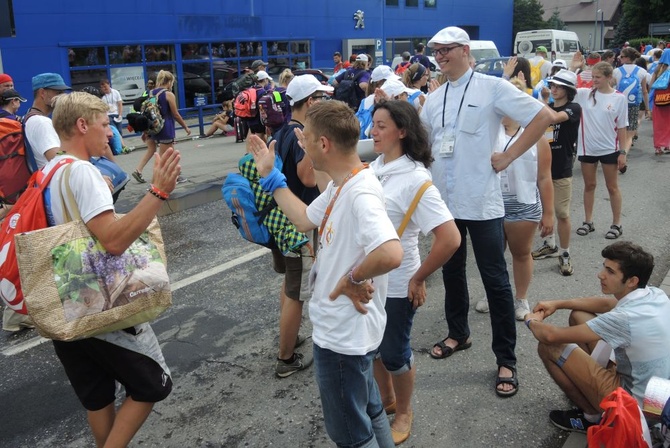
(42, 137)
(600, 122)
(466, 180)
(111, 99)
(520, 177)
(357, 225)
(401, 179)
(638, 331)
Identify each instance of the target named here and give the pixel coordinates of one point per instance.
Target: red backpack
(28, 214)
(622, 425)
(245, 103)
(14, 172)
(401, 68)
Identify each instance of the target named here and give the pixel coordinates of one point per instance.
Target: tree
(637, 15)
(555, 21)
(528, 16)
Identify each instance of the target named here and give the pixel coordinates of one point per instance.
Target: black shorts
(92, 366)
(609, 159)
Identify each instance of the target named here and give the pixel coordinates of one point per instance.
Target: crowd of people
(461, 155)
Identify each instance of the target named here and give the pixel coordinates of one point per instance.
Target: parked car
(493, 67)
(129, 92)
(318, 74)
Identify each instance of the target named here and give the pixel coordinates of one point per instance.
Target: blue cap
(49, 81)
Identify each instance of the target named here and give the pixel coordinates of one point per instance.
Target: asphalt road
(220, 337)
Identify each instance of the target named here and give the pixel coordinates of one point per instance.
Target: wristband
(351, 279)
(528, 322)
(273, 181)
(622, 152)
(158, 193)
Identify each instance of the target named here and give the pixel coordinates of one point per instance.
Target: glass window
(252, 50)
(80, 57)
(224, 50)
(391, 2)
(430, 3)
(126, 54)
(197, 81)
(159, 52)
(412, 3)
(195, 51)
(85, 78)
(277, 65)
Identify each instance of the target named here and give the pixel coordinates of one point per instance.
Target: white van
(483, 49)
(559, 44)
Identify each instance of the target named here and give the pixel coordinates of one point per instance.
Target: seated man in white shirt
(633, 323)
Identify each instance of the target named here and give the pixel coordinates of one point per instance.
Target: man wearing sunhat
(10, 102)
(463, 120)
(40, 133)
(563, 143)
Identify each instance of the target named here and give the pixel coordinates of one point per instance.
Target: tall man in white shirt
(463, 119)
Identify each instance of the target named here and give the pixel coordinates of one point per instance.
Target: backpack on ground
(272, 108)
(346, 89)
(255, 213)
(28, 214)
(246, 104)
(231, 90)
(152, 113)
(622, 426)
(630, 86)
(14, 170)
(402, 67)
(536, 72)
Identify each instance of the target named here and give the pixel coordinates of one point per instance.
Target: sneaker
(572, 420)
(482, 306)
(564, 264)
(181, 180)
(127, 149)
(282, 370)
(545, 251)
(521, 308)
(138, 177)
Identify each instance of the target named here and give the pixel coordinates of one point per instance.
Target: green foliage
(555, 22)
(637, 15)
(528, 16)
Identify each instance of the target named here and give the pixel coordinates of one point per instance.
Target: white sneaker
(521, 308)
(482, 306)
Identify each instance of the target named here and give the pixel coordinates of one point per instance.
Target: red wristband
(158, 193)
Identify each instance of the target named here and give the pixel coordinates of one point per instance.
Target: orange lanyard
(332, 201)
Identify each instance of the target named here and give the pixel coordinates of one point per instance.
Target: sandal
(507, 380)
(447, 351)
(614, 232)
(585, 228)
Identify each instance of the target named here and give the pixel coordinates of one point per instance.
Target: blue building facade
(207, 43)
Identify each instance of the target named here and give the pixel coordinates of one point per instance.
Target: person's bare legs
(611, 173)
(101, 422)
(589, 175)
(290, 318)
(520, 240)
(129, 419)
(403, 385)
(564, 229)
(151, 149)
(384, 383)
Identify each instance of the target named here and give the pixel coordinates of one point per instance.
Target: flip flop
(447, 351)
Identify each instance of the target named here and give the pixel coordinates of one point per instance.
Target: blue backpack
(630, 86)
(255, 212)
(365, 119)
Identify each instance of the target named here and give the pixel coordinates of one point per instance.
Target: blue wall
(47, 28)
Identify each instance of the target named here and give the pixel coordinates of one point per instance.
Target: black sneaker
(572, 420)
(282, 369)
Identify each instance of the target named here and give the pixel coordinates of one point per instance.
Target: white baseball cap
(450, 35)
(362, 57)
(261, 75)
(560, 63)
(382, 72)
(303, 86)
(393, 88)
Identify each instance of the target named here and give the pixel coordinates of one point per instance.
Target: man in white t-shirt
(628, 69)
(463, 121)
(358, 246)
(131, 356)
(113, 99)
(633, 323)
(540, 59)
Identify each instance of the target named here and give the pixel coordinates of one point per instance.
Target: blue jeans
(115, 124)
(395, 350)
(352, 407)
(488, 244)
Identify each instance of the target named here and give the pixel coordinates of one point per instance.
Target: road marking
(34, 342)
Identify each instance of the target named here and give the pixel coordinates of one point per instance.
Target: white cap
(450, 35)
(261, 75)
(393, 88)
(383, 72)
(303, 86)
(362, 57)
(564, 78)
(560, 63)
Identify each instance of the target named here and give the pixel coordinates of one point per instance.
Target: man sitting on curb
(633, 323)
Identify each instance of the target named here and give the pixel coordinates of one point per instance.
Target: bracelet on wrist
(623, 152)
(158, 193)
(355, 282)
(528, 322)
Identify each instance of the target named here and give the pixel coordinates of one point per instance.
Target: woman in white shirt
(401, 167)
(603, 129)
(416, 77)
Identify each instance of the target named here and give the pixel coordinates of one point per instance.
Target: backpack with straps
(346, 89)
(255, 212)
(272, 108)
(402, 67)
(630, 86)
(246, 104)
(152, 113)
(14, 171)
(28, 214)
(536, 72)
(622, 426)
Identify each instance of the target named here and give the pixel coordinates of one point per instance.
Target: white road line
(34, 342)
